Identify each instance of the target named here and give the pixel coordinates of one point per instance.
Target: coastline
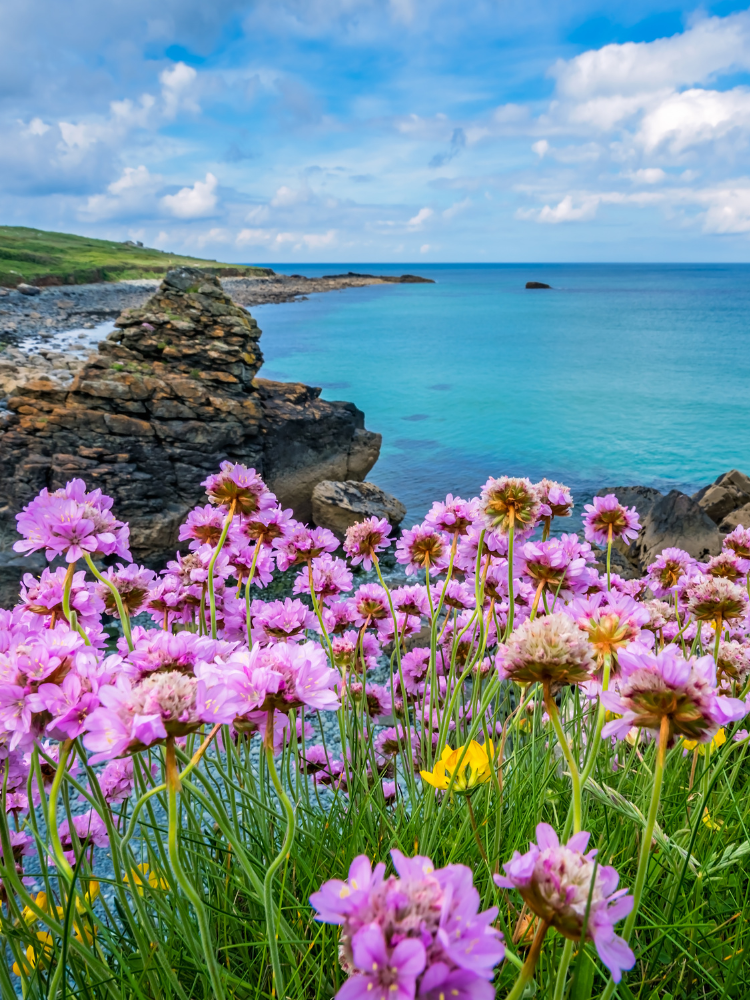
(60, 308)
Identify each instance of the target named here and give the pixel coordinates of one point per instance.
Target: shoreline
(60, 308)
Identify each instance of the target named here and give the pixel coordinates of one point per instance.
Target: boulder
(168, 396)
(677, 520)
(25, 289)
(537, 284)
(736, 517)
(338, 505)
(726, 494)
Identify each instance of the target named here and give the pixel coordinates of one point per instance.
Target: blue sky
(382, 130)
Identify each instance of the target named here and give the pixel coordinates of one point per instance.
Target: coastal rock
(726, 494)
(338, 505)
(169, 395)
(677, 520)
(643, 498)
(25, 289)
(736, 517)
(537, 284)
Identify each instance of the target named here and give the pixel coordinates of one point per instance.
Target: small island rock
(338, 505)
(537, 284)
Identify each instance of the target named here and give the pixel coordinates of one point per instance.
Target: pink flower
(557, 563)
(710, 598)
(727, 565)
(455, 594)
(45, 595)
(346, 651)
(666, 685)
(241, 560)
(365, 539)
(203, 526)
(667, 569)
(266, 526)
(369, 604)
(331, 577)
(295, 675)
(403, 937)
(738, 541)
(72, 522)
(608, 514)
(610, 621)
(454, 517)
(421, 549)
(411, 600)
(555, 498)
(287, 620)
(301, 544)
(236, 485)
(551, 650)
(132, 584)
(563, 886)
(507, 501)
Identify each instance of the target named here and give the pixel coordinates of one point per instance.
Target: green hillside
(42, 258)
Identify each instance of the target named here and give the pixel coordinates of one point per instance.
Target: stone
(338, 505)
(729, 492)
(736, 517)
(167, 397)
(537, 284)
(677, 520)
(25, 289)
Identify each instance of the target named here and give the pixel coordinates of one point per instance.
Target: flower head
(132, 583)
(507, 501)
(563, 886)
(239, 487)
(666, 685)
(667, 570)
(727, 565)
(610, 621)
(555, 497)
(330, 578)
(45, 596)
(607, 518)
(738, 541)
(710, 598)
(454, 517)
(422, 548)
(407, 936)
(302, 544)
(467, 768)
(288, 620)
(203, 526)
(267, 526)
(365, 539)
(552, 650)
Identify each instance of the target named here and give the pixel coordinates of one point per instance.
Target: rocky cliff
(170, 394)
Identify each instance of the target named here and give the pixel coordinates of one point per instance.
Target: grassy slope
(38, 257)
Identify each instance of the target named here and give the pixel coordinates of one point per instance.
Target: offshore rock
(728, 493)
(338, 505)
(677, 520)
(170, 394)
(735, 518)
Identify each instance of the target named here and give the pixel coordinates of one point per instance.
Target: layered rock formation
(169, 395)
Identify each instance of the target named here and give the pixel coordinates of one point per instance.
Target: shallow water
(620, 374)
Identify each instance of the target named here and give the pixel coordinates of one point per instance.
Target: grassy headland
(42, 258)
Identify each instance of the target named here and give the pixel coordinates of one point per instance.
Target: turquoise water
(621, 374)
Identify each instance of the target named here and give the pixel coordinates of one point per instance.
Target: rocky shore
(71, 307)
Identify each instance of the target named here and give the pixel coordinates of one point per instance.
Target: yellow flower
(151, 877)
(718, 741)
(89, 896)
(41, 901)
(475, 769)
(712, 824)
(36, 953)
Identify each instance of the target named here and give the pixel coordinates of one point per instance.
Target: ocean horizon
(620, 374)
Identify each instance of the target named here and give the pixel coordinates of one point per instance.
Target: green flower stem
(68, 612)
(562, 970)
(121, 610)
(511, 596)
(527, 972)
(588, 767)
(52, 826)
(173, 787)
(247, 593)
(575, 779)
(645, 854)
(214, 557)
(717, 625)
(273, 944)
(609, 554)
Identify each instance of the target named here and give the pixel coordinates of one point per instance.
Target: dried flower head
(715, 599)
(551, 650)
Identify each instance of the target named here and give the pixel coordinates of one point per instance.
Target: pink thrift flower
(236, 485)
(421, 549)
(302, 544)
(132, 583)
(454, 517)
(508, 501)
(203, 526)
(369, 605)
(667, 569)
(738, 541)
(365, 539)
(555, 498)
(562, 885)
(607, 514)
(286, 620)
(331, 578)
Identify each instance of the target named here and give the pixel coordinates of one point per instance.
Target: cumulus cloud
(193, 202)
(418, 220)
(133, 193)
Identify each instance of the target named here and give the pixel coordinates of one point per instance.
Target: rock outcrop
(169, 395)
(677, 520)
(725, 496)
(338, 505)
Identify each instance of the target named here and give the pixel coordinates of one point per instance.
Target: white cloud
(694, 117)
(456, 207)
(285, 196)
(35, 127)
(132, 193)
(193, 202)
(425, 248)
(177, 83)
(418, 220)
(647, 175)
(253, 237)
(564, 211)
(541, 148)
(316, 240)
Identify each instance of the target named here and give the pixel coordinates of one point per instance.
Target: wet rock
(338, 505)
(736, 517)
(726, 494)
(677, 520)
(169, 395)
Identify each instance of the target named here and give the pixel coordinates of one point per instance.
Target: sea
(619, 374)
